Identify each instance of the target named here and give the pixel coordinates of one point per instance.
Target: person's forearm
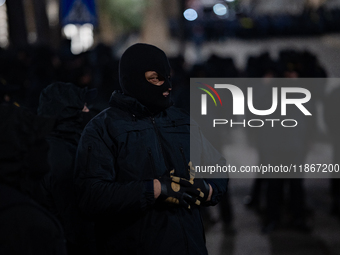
(99, 197)
(156, 188)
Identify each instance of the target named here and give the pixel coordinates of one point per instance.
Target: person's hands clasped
(178, 191)
(199, 184)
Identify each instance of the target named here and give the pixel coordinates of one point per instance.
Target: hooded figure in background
(25, 227)
(132, 166)
(66, 103)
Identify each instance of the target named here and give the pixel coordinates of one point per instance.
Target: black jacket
(25, 227)
(120, 152)
(63, 102)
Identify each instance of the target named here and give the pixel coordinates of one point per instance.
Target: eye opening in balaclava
(154, 78)
(134, 63)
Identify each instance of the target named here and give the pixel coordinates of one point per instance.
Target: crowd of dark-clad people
(247, 24)
(53, 94)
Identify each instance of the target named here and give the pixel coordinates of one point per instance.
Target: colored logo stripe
(218, 96)
(213, 90)
(208, 92)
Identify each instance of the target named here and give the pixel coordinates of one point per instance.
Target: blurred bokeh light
(190, 14)
(220, 9)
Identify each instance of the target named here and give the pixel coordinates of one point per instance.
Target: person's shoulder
(102, 117)
(179, 112)
(19, 209)
(28, 214)
(112, 120)
(23, 221)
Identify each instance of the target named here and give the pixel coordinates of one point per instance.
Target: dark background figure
(66, 103)
(105, 75)
(332, 113)
(25, 227)
(275, 145)
(262, 66)
(42, 69)
(283, 146)
(181, 83)
(220, 67)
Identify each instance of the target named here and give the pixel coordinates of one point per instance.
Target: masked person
(25, 226)
(132, 166)
(66, 103)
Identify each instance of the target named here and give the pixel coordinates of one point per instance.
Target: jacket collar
(119, 99)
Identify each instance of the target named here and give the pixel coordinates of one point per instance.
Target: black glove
(203, 186)
(180, 192)
(200, 184)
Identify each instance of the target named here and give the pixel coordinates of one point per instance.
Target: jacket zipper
(185, 237)
(89, 150)
(152, 162)
(184, 161)
(167, 165)
(160, 144)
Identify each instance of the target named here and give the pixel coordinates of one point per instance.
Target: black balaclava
(135, 61)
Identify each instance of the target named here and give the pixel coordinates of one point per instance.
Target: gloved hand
(180, 192)
(200, 184)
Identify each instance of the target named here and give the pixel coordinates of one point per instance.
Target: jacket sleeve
(219, 185)
(209, 156)
(98, 191)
